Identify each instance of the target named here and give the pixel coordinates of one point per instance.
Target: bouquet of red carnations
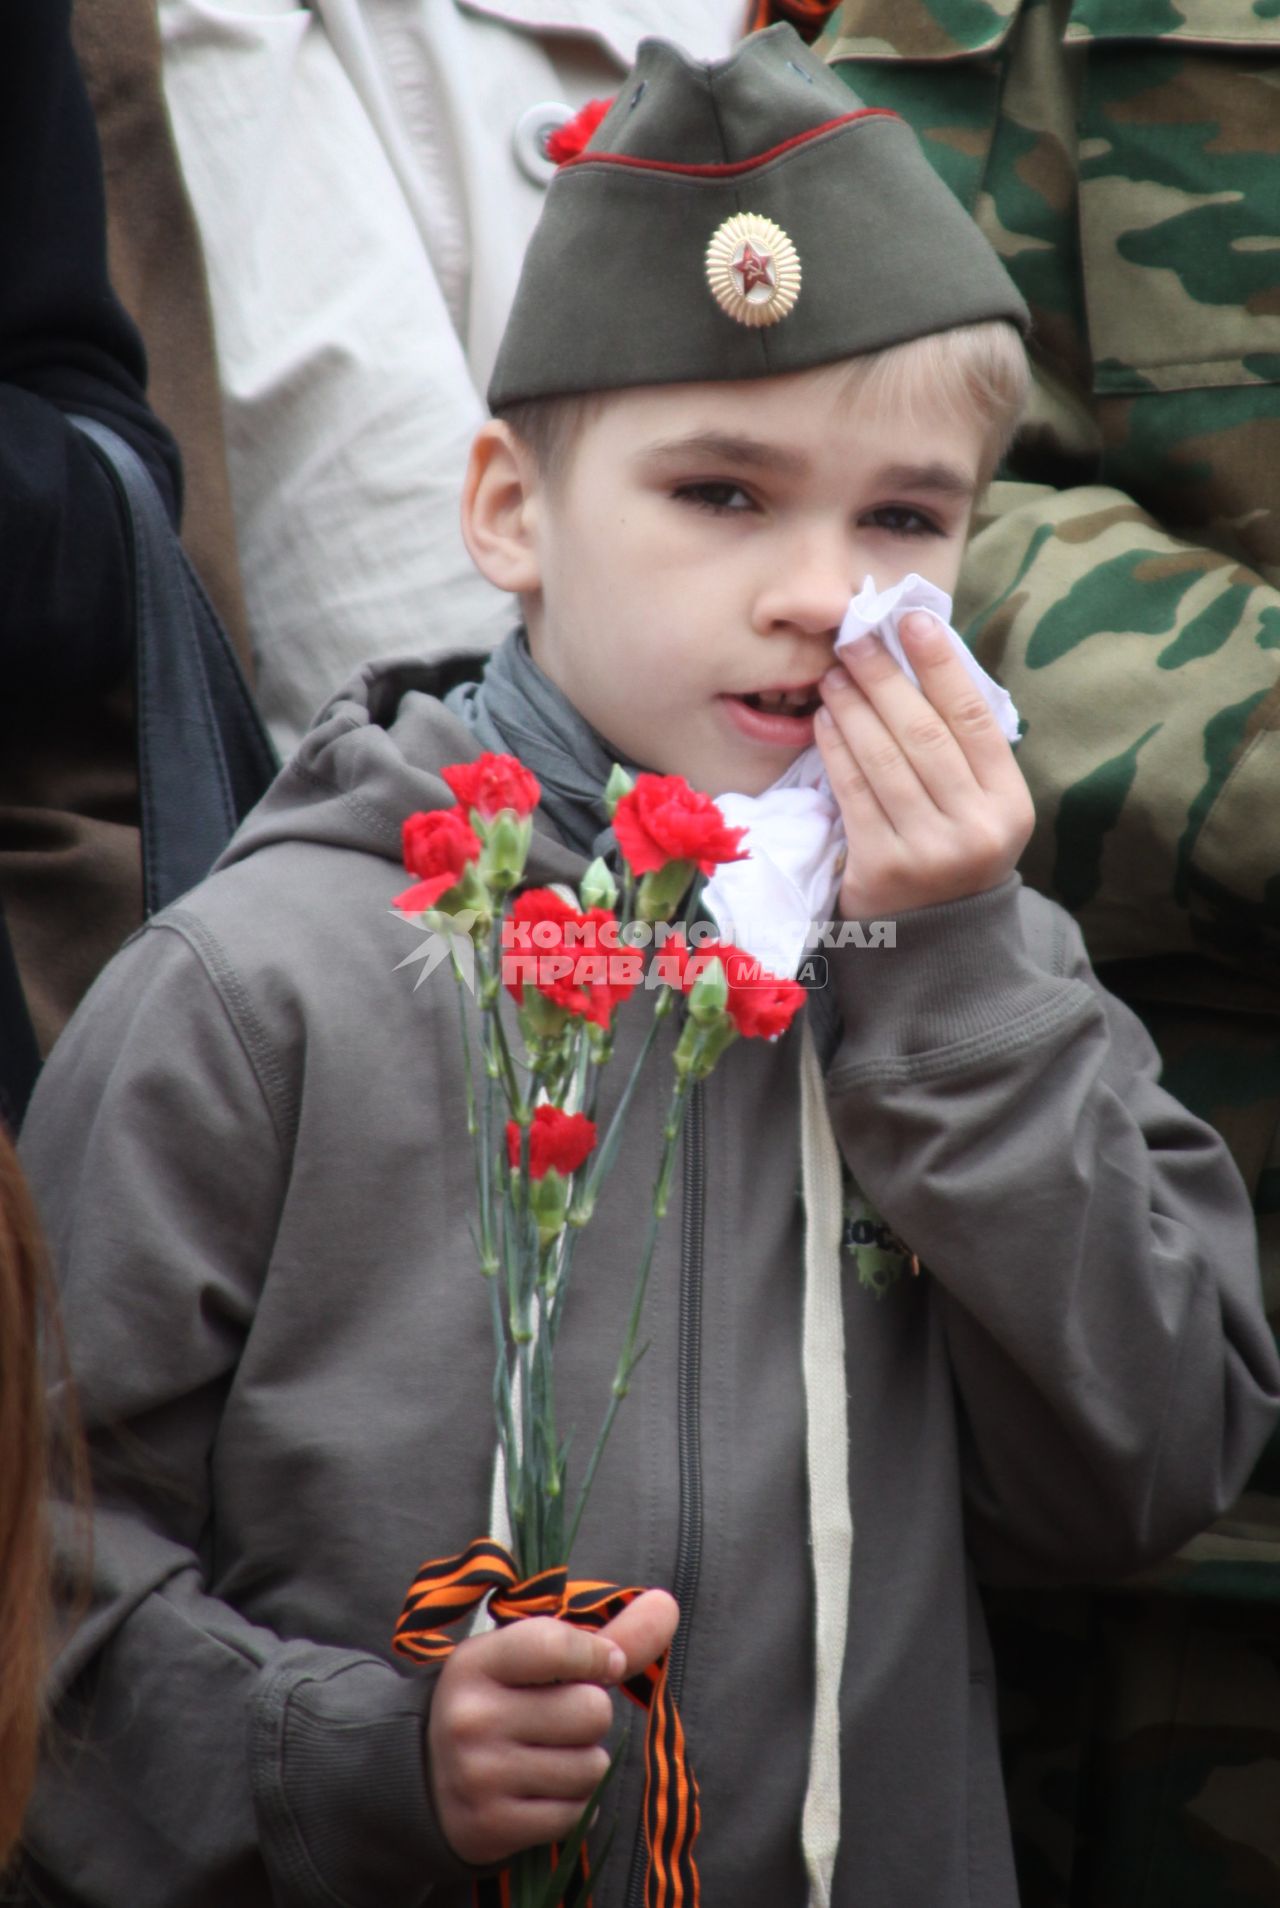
(568, 964)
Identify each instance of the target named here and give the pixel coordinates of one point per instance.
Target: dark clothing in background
(157, 268)
(70, 879)
(66, 344)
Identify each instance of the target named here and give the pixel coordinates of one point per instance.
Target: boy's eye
(903, 520)
(717, 494)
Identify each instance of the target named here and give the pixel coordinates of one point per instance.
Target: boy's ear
(500, 497)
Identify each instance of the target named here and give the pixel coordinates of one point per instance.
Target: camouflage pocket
(1180, 213)
(937, 64)
(1180, 251)
(988, 89)
(920, 29)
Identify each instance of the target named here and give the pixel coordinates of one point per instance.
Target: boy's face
(695, 558)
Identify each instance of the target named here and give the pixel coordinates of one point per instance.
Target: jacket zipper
(684, 1584)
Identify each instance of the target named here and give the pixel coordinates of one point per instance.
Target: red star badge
(752, 269)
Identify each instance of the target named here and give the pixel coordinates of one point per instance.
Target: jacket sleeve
(198, 1757)
(1090, 1246)
(1146, 670)
(66, 345)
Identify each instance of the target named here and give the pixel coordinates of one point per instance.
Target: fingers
(518, 1721)
(934, 805)
(864, 819)
(881, 761)
(569, 1716)
(488, 1815)
(644, 1629)
(542, 1650)
(515, 1741)
(960, 702)
(905, 737)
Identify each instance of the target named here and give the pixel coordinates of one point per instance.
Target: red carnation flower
(761, 1005)
(567, 141)
(663, 820)
(556, 1139)
(438, 848)
(575, 960)
(492, 783)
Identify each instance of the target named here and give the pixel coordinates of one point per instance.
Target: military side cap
(739, 220)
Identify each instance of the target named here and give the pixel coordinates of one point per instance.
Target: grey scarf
(516, 710)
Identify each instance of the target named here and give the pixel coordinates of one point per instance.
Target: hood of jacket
(372, 757)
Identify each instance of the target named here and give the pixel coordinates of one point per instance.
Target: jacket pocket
(1180, 254)
(1222, 24)
(921, 29)
(939, 66)
(1179, 211)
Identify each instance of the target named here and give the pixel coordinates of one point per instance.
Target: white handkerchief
(769, 903)
(883, 610)
(796, 844)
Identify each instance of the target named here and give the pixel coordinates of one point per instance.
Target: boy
(249, 1143)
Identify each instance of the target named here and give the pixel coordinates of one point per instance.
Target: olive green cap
(864, 246)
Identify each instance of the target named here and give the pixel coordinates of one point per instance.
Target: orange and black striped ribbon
(808, 17)
(449, 1589)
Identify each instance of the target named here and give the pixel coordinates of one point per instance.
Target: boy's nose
(808, 587)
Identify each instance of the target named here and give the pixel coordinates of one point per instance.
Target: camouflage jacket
(1123, 157)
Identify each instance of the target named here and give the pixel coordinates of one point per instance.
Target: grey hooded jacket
(251, 1155)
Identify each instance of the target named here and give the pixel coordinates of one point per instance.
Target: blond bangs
(972, 371)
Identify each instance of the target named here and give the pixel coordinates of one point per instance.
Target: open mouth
(788, 702)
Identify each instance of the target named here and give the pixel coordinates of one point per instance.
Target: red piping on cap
(738, 165)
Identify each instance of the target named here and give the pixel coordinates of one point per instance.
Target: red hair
(24, 1562)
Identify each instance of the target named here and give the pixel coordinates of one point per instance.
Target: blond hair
(975, 370)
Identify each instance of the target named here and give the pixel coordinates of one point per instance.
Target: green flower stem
(583, 1202)
(585, 1077)
(531, 1871)
(490, 1262)
(513, 1455)
(530, 1495)
(505, 1066)
(491, 994)
(466, 1042)
(553, 1061)
(490, 1207)
(502, 1402)
(629, 1357)
(606, 1152)
(693, 901)
(549, 1464)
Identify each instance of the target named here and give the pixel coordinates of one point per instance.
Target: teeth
(783, 701)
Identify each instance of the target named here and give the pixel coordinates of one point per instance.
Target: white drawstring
(827, 1454)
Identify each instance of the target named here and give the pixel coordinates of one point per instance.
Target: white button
(529, 140)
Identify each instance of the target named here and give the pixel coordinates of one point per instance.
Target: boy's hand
(934, 804)
(518, 1722)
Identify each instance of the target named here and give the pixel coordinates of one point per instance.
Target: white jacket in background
(356, 168)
